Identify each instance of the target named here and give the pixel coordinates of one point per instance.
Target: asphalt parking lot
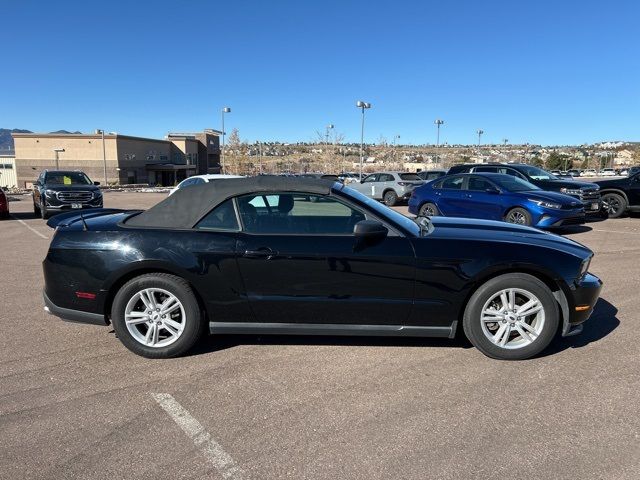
(76, 404)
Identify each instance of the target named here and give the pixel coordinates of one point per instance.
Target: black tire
(390, 198)
(472, 321)
(429, 210)
(194, 324)
(614, 204)
(518, 216)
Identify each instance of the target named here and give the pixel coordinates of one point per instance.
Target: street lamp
(104, 157)
(362, 105)
(438, 122)
(224, 110)
(329, 127)
(57, 151)
(395, 153)
(479, 132)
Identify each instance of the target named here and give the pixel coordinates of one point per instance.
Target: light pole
(57, 151)
(395, 152)
(224, 110)
(362, 105)
(104, 156)
(438, 122)
(329, 127)
(479, 132)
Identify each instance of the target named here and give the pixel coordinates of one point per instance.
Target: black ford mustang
(309, 256)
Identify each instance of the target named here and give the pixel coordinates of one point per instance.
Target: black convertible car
(310, 256)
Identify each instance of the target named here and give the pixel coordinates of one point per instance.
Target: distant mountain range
(6, 140)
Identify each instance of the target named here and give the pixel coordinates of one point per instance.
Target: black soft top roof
(188, 205)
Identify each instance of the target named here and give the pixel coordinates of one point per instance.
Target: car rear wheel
(157, 316)
(511, 317)
(390, 198)
(428, 210)
(614, 204)
(518, 216)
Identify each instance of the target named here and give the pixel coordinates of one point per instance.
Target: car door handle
(468, 195)
(264, 252)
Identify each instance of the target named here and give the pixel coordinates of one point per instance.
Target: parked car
(4, 205)
(253, 256)
(621, 195)
(589, 172)
(574, 172)
(587, 193)
(326, 176)
(556, 172)
(496, 196)
(390, 187)
(200, 179)
(608, 172)
(57, 190)
(429, 175)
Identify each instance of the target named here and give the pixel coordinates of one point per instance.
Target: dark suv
(587, 193)
(621, 194)
(58, 190)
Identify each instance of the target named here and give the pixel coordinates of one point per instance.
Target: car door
(478, 202)
(368, 185)
(634, 191)
(449, 195)
(299, 264)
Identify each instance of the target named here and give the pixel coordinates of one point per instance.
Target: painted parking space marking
(30, 228)
(212, 450)
(616, 231)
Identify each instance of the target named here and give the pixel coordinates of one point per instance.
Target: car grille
(588, 195)
(79, 196)
(572, 221)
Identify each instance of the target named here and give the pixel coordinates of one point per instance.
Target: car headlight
(545, 204)
(50, 193)
(584, 267)
(571, 191)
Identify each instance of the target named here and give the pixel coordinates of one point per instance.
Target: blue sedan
(494, 196)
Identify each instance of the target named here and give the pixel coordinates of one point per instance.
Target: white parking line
(30, 228)
(615, 231)
(214, 452)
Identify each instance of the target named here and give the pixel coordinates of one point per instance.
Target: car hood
(555, 197)
(493, 231)
(614, 182)
(72, 188)
(572, 184)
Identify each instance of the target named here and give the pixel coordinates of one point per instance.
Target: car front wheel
(390, 198)
(511, 317)
(519, 216)
(157, 316)
(614, 204)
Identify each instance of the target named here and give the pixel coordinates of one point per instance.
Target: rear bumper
(69, 315)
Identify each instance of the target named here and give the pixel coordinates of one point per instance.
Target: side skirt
(331, 329)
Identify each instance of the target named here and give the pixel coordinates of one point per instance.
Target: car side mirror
(368, 232)
(96, 183)
(493, 190)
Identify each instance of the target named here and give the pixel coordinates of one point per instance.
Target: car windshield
(537, 173)
(383, 211)
(513, 184)
(67, 178)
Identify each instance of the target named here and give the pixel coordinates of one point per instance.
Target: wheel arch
(142, 269)
(615, 190)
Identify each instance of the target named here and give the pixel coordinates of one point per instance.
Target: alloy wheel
(512, 318)
(155, 317)
(517, 217)
(611, 204)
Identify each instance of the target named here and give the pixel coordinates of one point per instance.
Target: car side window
(479, 184)
(453, 183)
(385, 177)
(486, 169)
(370, 178)
(512, 172)
(296, 214)
(223, 217)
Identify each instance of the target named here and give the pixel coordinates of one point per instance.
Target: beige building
(8, 170)
(118, 159)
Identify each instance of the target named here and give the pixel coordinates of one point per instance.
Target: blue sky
(561, 72)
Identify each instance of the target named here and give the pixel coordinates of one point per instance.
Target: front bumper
(551, 217)
(76, 316)
(580, 303)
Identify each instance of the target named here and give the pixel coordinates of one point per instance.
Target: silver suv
(390, 187)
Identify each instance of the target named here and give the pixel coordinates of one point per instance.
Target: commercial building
(118, 159)
(8, 177)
